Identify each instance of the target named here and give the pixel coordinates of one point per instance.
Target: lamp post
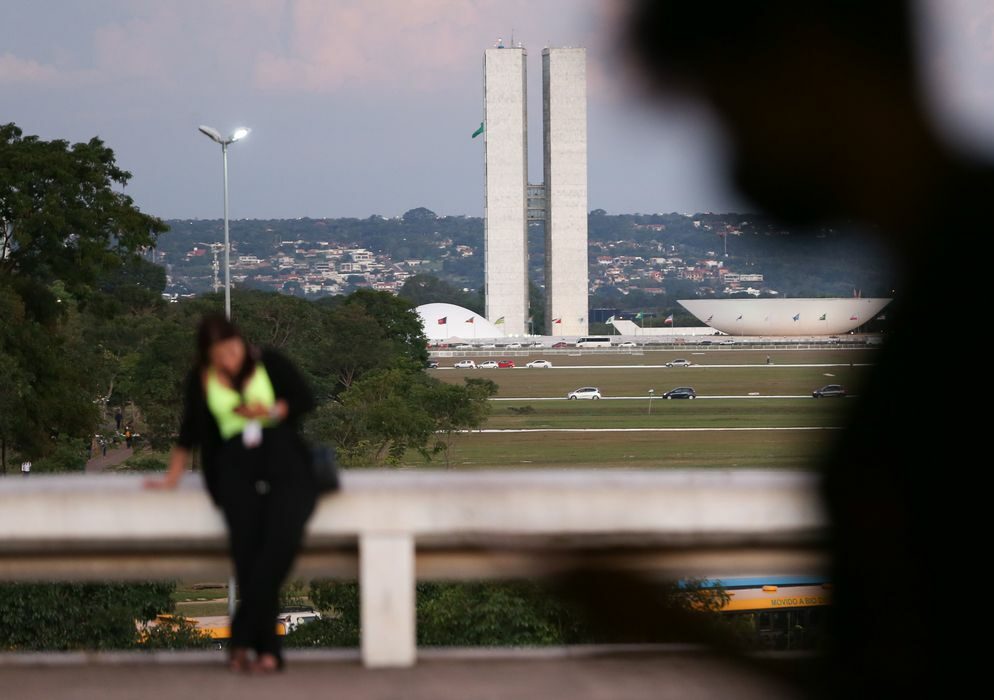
(215, 135)
(652, 393)
(237, 135)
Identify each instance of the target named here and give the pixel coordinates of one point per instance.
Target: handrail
(389, 528)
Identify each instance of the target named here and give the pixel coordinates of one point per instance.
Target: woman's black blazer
(198, 427)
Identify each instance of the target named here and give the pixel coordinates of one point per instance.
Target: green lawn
(767, 449)
(200, 592)
(702, 413)
(622, 376)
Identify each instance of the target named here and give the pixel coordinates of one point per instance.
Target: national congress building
(560, 201)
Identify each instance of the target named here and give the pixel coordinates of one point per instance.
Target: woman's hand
(256, 411)
(161, 483)
(178, 459)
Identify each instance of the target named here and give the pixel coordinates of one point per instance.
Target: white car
(628, 344)
(488, 346)
(540, 364)
(489, 364)
(465, 364)
(513, 346)
(585, 392)
(464, 346)
(538, 345)
(679, 363)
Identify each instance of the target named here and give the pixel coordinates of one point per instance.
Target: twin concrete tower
(560, 201)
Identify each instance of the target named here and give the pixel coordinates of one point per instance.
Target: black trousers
(267, 495)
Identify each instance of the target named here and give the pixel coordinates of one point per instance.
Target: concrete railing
(389, 528)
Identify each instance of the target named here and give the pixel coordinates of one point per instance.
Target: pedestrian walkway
(439, 675)
(113, 457)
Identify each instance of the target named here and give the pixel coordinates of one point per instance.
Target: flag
(471, 319)
(610, 320)
(797, 317)
(557, 320)
(639, 315)
(669, 319)
(442, 321)
(709, 318)
(822, 317)
(499, 321)
(854, 317)
(739, 318)
(478, 131)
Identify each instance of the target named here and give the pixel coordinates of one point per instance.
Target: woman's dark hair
(215, 328)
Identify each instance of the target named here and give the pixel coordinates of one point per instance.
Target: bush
(143, 463)
(175, 633)
(62, 616)
(67, 455)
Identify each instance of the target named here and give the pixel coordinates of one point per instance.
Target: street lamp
(215, 135)
(652, 393)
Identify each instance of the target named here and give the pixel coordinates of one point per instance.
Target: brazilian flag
(478, 131)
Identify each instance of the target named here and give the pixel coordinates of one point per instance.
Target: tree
(63, 228)
(390, 412)
(428, 289)
(398, 322)
(454, 408)
(419, 215)
(60, 216)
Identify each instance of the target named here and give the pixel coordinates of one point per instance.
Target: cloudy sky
(361, 107)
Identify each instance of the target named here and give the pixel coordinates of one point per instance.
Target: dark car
(829, 391)
(681, 392)
(432, 364)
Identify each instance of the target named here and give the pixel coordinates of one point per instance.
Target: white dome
(781, 317)
(445, 321)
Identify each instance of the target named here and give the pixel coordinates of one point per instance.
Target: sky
(362, 107)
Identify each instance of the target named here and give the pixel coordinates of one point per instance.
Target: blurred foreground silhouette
(823, 108)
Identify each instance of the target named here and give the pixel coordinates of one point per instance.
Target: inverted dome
(444, 321)
(785, 317)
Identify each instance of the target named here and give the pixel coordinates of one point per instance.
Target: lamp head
(211, 132)
(240, 133)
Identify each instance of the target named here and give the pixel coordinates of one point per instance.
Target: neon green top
(223, 400)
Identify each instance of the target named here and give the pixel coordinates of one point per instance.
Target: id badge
(252, 434)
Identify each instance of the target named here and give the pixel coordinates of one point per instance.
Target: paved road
(687, 675)
(113, 458)
(694, 366)
(645, 397)
(647, 430)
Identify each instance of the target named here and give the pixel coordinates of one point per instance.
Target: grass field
(620, 375)
(720, 450)
(716, 413)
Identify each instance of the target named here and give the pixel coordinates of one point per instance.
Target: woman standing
(243, 408)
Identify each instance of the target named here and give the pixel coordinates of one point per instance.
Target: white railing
(390, 528)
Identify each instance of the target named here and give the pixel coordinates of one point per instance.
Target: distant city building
(560, 201)
(505, 222)
(446, 321)
(785, 317)
(564, 119)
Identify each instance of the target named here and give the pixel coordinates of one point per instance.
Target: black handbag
(324, 465)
